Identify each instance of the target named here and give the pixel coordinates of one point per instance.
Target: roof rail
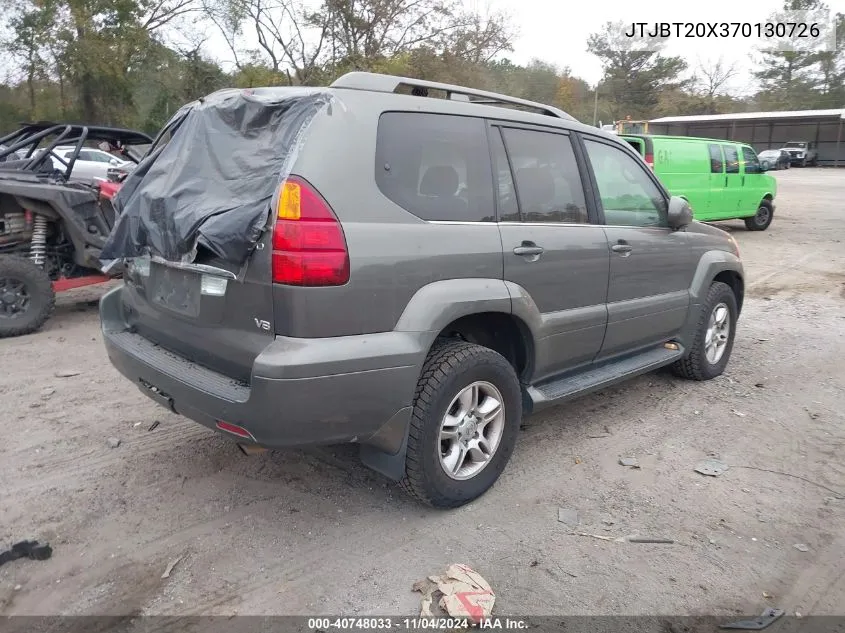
(390, 83)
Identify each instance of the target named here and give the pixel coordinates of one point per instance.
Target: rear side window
(731, 159)
(435, 166)
(548, 184)
(716, 163)
(508, 207)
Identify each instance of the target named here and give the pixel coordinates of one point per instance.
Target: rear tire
(26, 296)
(711, 348)
(762, 219)
(450, 428)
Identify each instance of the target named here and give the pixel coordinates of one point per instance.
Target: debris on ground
(170, 567)
(738, 414)
(633, 462)
(577, 460)
(463, 594)
(627, 539)
(711, 467)
(153, 426)
(757, 624)
(26, 549)
(802, 547)
(46, 392)
(602, 537)
(569, 516)
(113, 442)
(67, 373)
(767, 595)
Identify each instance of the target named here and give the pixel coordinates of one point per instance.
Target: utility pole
(596, 105)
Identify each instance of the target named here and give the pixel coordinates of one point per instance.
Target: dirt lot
(315, 533)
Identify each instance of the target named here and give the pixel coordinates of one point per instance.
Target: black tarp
(211, 184)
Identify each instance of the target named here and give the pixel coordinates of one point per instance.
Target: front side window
(752, 163)
(629, 196)
(435, 166)
(731, 159)
(548, 183)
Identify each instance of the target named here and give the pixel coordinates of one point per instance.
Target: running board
(596, 378)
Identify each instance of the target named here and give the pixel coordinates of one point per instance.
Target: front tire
(466, 417)
(714, 336)
(761, 220)
(26, 296)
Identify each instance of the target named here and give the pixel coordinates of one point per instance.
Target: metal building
(765, 130)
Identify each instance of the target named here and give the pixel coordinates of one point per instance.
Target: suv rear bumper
(364, 396)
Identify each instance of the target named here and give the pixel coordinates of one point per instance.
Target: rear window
(435, 166)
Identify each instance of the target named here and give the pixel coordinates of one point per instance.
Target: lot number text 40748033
(413, 624)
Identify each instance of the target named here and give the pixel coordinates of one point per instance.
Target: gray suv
(405, 265)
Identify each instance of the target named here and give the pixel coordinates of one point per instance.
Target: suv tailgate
(218, 322)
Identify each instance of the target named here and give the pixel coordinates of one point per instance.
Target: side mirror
(680, 213)
(114, 162)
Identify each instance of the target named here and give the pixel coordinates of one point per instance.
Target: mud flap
(381, 452)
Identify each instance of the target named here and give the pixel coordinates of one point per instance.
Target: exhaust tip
(251, 449)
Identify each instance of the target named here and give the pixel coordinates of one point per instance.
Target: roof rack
(390, 83)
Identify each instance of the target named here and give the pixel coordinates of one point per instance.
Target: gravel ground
(313, 532)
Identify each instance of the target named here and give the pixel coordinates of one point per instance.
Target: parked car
(774, 159)
(721, 180)
(91, 165)
(376, 287)
(51, 227)
(802, 153)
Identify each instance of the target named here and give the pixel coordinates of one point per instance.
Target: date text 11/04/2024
(414, 624)
(802, 30)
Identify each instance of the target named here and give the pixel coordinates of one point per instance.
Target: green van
(721, 180)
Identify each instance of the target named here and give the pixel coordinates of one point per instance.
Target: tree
(786, 76)
(831, 69)
(31, 29)
(635, 72)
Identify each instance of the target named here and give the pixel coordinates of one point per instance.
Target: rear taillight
(309, 248)
(649, 160)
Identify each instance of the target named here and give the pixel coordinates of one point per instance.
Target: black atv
(53, 224)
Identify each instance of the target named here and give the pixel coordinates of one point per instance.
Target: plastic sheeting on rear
(211, 185)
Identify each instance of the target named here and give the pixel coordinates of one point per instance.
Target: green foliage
(117, 61)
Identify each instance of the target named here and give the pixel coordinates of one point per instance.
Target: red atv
(54, 219)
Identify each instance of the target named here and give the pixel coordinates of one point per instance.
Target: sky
(557, 31)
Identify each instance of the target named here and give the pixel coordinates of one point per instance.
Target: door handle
(528, 249)
(743, 180)
(622, 248)
(726, 181)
